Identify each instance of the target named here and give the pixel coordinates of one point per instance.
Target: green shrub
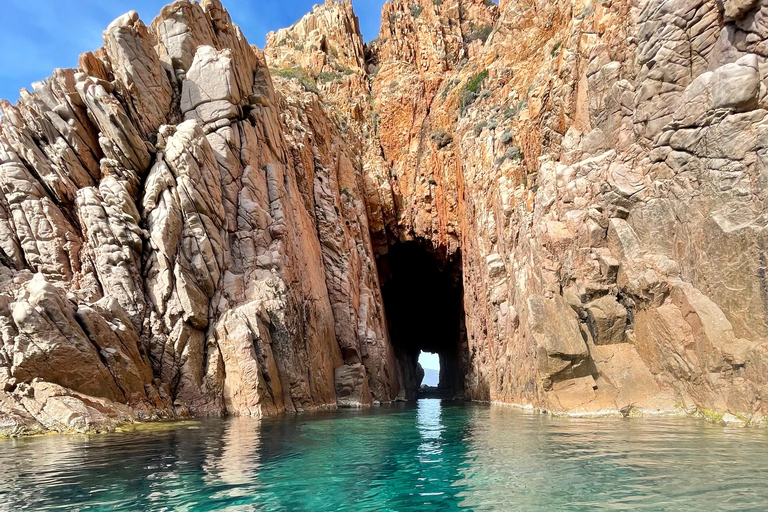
(329, 76)
(507, 137)
(343, 70)
(479, 127)
(513, 154)
(448, 87)
(513, 110)
(477, 81)
(416, 10)
(481, 34)
(472, 89)
(437, 2)
(556, 48)
(298, 74)
(338, 74)
(441, 138)
(467, 98)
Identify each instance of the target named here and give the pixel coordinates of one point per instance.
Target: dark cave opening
(424, 304)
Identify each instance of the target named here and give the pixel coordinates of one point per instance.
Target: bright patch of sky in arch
(429, 361)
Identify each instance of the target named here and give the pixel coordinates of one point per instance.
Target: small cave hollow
(424, 304)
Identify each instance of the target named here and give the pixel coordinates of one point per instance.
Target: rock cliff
(565, 200)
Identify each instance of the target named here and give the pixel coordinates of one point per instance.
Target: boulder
(607, 320)
(555, 330)
(734, 10)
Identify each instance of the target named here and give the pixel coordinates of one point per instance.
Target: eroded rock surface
(191, 226)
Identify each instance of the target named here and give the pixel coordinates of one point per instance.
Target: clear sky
(429, 361)
(37, 36)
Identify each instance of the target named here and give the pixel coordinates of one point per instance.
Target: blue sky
(429, 361)
(37, 36)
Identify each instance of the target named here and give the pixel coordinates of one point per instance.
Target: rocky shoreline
(565, 200)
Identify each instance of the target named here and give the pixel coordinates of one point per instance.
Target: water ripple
(432, 456)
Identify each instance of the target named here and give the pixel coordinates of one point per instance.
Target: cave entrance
(424, 304)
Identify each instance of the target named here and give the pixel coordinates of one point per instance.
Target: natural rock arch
(424, 303)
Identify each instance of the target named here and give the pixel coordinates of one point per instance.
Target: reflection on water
(429, 456)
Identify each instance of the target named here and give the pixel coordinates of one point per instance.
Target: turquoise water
(420, 457)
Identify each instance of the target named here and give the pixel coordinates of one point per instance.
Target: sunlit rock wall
(189, 226)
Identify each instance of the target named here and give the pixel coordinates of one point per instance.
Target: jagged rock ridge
(191, 226)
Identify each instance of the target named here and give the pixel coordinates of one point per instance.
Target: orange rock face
(565, 200)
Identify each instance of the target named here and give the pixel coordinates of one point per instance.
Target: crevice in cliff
(424, 304)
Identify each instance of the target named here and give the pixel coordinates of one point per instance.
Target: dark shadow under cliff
(423, 300)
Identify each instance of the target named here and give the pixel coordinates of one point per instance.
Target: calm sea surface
(420, 457)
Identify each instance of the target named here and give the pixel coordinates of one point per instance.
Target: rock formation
(565, 200)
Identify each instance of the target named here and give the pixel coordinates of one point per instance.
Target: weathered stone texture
(191, 226)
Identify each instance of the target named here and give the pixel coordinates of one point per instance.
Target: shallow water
(427, 456)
